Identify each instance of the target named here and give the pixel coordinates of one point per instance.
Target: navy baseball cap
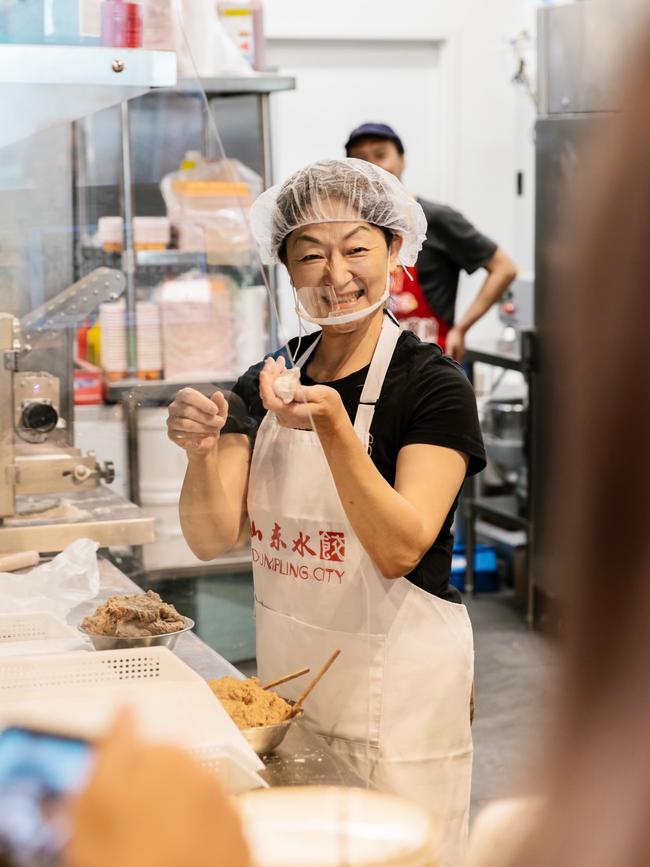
(374, 130)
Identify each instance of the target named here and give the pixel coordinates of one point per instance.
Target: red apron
(411, 308)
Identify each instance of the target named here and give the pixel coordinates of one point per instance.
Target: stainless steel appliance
(504, 429)
(576, 47)
(517, 309)
(51, 493)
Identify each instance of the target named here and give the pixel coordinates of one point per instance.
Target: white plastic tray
(79, 693)
(34, 626)
(38, 632)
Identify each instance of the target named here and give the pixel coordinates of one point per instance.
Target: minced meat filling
(134, 616)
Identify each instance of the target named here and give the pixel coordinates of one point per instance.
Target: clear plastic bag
(57, 586)
(208, 202)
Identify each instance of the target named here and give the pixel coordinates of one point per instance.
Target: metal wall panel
(578, 47)
(560, 185)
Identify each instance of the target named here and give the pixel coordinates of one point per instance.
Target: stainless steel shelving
(258, 83)
(153, 392)
(519, 357)
(147, 267)
(156, 263)
(44, 85)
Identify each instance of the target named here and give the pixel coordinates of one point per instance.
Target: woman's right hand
(194, 421)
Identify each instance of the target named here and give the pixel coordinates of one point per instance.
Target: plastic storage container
(208, 202)
(121, 23)
(197, 330)
(485, 569)
(87, 384)
(244, 23)
(160, 21)
(149, 233)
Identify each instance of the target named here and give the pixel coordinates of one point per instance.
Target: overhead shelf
(44, 85)
(165, 263)
(259, 82)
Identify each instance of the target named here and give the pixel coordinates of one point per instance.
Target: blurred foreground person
(153, 806)
(598, 793)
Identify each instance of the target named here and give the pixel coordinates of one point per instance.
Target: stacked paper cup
(148, 337)
(250, 307)
(112, 321)
(113, 331)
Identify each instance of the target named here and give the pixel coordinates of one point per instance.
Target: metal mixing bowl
(114, 642)
(264, 739)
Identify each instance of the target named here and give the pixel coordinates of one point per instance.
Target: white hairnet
(337, 191)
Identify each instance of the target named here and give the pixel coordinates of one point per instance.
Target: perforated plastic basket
(34, 626)
(79, 693)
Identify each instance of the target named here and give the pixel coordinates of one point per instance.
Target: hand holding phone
(152, 806)
(39, 773)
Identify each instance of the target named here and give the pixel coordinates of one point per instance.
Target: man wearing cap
(426, 303)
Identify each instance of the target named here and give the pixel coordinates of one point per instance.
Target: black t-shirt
(425, 398)
(452, 244)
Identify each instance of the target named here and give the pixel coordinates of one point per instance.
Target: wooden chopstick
(286, 678)
(324, 669)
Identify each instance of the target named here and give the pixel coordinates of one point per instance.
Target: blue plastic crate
(485, 569)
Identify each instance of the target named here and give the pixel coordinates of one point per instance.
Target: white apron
(396, 702)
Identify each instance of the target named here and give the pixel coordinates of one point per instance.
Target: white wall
(358, 19)
(466, 127)
(344, 82)
(494, 135)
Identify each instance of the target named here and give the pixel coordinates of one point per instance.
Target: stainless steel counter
(303, 759)
(98, 513)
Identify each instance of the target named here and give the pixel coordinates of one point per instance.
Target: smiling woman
(350, 492)
(335, 269)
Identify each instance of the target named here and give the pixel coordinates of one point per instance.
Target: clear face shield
(329, 306)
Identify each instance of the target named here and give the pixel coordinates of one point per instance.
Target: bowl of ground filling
(140, 620)
(263, 716)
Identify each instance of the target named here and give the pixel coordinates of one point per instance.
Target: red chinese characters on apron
(410, 307)
(312, 555)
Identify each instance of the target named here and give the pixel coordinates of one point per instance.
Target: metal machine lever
(73, 304)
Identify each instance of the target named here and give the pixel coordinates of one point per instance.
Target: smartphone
(39, 772)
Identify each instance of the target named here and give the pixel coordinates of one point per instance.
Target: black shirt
(425, 398)
(452, 244)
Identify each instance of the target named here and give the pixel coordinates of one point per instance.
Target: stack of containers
(197, 327)
(198, 347)
(113, 339)
(250, 306)
(112, 322)
(149, 233)
(150, 360)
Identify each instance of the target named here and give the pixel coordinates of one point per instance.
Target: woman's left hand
(316, 406)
